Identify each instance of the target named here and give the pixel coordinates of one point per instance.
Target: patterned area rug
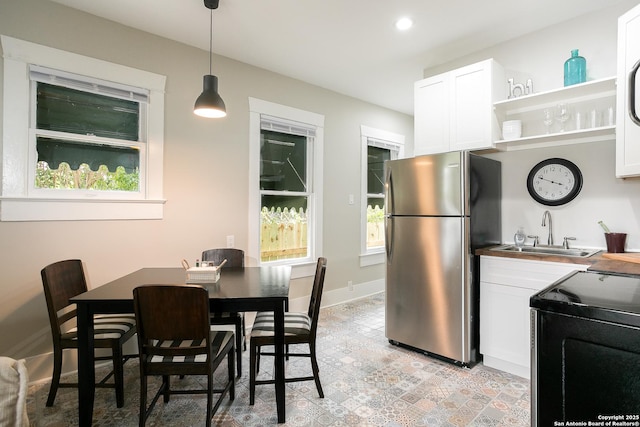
(366, 381)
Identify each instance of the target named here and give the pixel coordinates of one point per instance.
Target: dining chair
(235, 258)
(62, 281)
(299, 328)
(180, 342)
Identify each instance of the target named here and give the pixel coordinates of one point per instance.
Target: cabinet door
(504, 326)
(506, 284)
(431, 115)
(471, 107)
(628, 129)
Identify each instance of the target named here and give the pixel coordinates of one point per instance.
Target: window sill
(32, 209)
(372, 258)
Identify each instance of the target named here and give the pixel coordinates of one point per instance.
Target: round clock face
(554, 182)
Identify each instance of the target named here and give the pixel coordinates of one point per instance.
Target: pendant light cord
(210, 37)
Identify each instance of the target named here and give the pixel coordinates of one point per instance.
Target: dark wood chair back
(300, 328)
(171, 313)
(174, 338)
(62, 281)
(316, 294)
(234, 257)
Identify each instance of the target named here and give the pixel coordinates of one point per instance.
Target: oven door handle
(632, 94)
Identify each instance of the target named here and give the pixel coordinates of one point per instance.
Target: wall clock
(554, 182)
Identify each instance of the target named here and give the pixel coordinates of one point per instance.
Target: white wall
(541, 56)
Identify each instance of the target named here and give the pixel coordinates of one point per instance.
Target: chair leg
(244, 334)
(231, 373)
(55, 379)
(315, 369)
(143, 400)
(167, 388)
(258, 360)
(209, 398)
(239, 339)
(252, 372)
(118, 374)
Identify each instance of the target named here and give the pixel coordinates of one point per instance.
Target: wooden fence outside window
(283, 233)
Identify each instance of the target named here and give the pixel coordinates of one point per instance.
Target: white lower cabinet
(506, 284)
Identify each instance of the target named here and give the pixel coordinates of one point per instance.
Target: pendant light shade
(209, 104)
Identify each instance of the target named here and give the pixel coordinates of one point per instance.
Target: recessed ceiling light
(404, 24)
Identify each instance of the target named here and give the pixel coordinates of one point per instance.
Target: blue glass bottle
(575, 69)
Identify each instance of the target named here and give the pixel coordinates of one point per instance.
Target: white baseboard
(340, 296)
(40, 366)
(506, 366)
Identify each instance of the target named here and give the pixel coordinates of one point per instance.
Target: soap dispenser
(519, 238)
(575, 69)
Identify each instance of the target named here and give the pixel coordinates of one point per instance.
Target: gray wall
(205, 172)
(540, 56)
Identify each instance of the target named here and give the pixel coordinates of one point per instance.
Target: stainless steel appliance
(439, 209)
(585, 356)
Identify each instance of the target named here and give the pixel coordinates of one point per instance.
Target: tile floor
(367, 382)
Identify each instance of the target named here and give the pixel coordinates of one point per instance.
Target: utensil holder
(615, 242)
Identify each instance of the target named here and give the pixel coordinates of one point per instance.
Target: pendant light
(209, 104)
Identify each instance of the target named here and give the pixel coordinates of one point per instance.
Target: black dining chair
(175, 338)
(299, 328)
(62, 281)
(235, 258)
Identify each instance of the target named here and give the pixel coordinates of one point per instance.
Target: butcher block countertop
(596, 262)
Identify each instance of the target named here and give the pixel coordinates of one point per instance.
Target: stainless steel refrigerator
(439, 210)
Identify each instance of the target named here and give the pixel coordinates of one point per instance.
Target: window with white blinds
(378, 146)
(285, 184)
(80, 130)
(87, 84)
(279, 124)
(88, 134)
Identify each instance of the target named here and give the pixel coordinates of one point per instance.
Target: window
(88, 135)
(285, 185)
(83, 144)
(377, 147)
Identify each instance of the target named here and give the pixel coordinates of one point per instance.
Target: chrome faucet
(544, 223)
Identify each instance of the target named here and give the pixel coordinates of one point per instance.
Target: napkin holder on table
(203, 274)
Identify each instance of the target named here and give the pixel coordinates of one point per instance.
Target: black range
(585, 357)
(608, 297)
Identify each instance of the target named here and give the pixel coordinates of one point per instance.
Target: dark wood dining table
(238, 289)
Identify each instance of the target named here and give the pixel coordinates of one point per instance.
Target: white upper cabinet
(454, 110)
(628, 102)
(431, 117)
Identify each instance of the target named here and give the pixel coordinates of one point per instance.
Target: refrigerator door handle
(388, 189)
(388, 237)
(388, 226)
(632, 94)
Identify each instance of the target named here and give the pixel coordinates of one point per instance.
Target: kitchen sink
(548, 250)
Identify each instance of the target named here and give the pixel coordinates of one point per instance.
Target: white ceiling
(348, 46)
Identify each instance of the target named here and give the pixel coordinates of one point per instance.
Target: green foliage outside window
(85, 179)
(375, 225)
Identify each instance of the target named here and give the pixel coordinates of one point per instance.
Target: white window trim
(257, 107)
(16, 204)
(375, 255)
